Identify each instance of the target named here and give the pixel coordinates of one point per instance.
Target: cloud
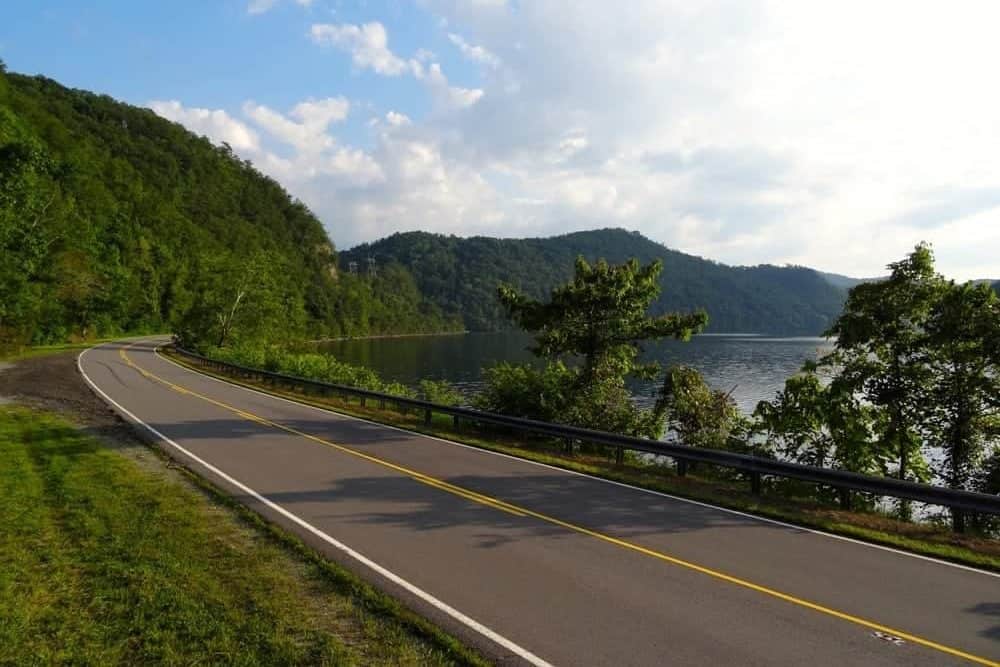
(447, 96)
(216, 124)
(263, 6)
(474, 53)
(308, 132)
(752, 131)
(397, 119)
(368, 45)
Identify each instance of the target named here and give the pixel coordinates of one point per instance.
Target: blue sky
(748, 131)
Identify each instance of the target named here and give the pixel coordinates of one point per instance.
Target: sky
(835, 135)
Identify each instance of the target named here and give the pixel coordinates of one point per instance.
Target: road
(535, 565)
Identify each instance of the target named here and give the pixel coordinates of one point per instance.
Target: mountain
(112, 219)
(461, 276)
(845, 282)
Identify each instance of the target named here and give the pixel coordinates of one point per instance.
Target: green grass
(106, 561)
(19, 352)
(785, 502)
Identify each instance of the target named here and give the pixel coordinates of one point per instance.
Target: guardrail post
(381, 404)
(619, 456)
(845, 498)
(363, 403)
(755, 483)
(957, 520)
(456, 422)
(682, 467)
(427, 417)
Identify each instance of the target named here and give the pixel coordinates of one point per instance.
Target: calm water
(755, 366)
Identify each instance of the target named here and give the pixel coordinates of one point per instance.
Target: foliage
(962, 352)
(312, 366)
(115, 220)
(879, 348)
(916, 370)
(461, 276)
(600, 319)
(522, 390)
(699, 415)
(440, 392)
(821, 424)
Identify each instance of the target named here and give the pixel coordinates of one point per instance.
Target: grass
(106, 561)
(19, 352)
(787, 502)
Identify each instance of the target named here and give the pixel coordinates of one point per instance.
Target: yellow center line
(524, 512)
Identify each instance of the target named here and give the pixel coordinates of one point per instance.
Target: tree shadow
(988, 609)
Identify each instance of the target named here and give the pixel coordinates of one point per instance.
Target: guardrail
(756, 467)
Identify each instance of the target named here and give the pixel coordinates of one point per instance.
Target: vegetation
(461, 275)
(916, 370)
(107, 562)
(600, 318)
(114, 220)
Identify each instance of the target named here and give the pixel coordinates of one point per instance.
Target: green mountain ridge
(112, 220)
(461, 275)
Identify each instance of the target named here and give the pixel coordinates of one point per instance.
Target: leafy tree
(962, 414)
(600, 319)
(699, 415)
(880, 348)
(107, 213)
(822, 424)
(243, 299)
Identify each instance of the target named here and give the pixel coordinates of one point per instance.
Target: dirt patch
(53, 383)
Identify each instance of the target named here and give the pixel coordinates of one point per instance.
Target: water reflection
(752, 367)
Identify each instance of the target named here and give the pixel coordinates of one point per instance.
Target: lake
(752, 367)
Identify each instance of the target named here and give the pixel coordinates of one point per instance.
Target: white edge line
(367, 562)
(754, 517)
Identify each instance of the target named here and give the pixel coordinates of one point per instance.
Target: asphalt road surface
(535, 565)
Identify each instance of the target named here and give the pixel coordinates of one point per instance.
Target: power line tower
(352, 268)
(372, 272)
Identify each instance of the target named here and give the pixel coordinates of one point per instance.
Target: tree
(962, 415)
(241, 298)
(880, 349)
(821, 424)
(599, 318)
(699, 415)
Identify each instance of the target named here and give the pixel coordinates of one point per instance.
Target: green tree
(599, 318)
(880, 348)
(699, 415)
(962, 415)
(822, 424)
(241, 299)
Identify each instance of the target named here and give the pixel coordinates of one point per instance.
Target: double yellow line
(524, 512)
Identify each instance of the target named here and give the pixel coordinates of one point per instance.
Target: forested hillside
(461, 276)
(114, 220)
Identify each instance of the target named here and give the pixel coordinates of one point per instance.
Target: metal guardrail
(755, 466)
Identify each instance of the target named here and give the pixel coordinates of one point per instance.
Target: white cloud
(397, 119)
(477, 54)
(216, 124)
(263, 6)
(308, 133)
(368, 45)
(832, 135)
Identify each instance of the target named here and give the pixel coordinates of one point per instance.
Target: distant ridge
(460, 275)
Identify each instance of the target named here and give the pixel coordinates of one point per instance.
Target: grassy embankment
(108, 561)
(784, 501)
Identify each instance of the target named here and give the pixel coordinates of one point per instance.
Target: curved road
(535, 565)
